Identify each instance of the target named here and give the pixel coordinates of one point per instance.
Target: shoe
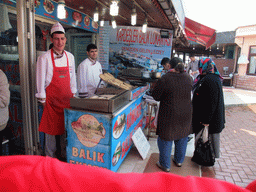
(190, 138)
(177, 164)
(163, 168)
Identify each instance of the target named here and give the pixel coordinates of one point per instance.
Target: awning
(199, 33)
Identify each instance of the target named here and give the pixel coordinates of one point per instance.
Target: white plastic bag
(204, 132)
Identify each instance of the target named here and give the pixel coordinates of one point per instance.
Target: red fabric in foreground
(37, 173)
(199, 33)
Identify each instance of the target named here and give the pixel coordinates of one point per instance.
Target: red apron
(58, 95)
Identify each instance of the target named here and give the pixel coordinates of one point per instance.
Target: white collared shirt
(88, 76)
(44, 72)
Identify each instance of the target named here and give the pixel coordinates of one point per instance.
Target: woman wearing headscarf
(173, 91)
(208, 102)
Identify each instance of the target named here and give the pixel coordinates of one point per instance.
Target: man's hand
(42, 101)
(43, 104)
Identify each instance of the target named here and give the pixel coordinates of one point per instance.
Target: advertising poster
(124, 125)
(129, 47)
(48, 9)
(88, 138)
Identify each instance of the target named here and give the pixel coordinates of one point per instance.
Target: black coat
(173, 91)
(208, 105)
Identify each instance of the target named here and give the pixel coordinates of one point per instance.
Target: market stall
(99, 129)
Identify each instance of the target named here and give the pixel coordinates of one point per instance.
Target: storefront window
(253, 49)
(252, 57)
(13, 139)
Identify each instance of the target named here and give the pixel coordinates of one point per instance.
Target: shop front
(18, 61)
(126, 52)
(246, 40)
(13, 137)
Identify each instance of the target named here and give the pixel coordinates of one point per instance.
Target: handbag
(204, 153)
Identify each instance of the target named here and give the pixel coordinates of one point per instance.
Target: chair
(150, 129)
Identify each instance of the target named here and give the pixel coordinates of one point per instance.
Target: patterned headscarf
(206, 66)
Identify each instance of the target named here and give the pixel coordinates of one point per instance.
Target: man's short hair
(191, 55)
(165, 60)
(57, 32)
(91, 46)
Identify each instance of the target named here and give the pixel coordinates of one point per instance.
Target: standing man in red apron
(56, 84)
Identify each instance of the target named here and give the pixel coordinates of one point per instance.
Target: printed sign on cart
(141, 143)
(87, 138)
(124, 125)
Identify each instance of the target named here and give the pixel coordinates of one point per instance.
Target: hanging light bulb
(113, 23)
(133, 17)
(144, 26)
(96, 15)
(61, 11)
(102, 22)
(114, 8)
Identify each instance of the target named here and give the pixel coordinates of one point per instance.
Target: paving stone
(248, 171)
(247, 180)
(222, 173)
(219, 177)
(229, 179)
(236, 177)
(229, 170)
(241, 184)
(253, 177)
(243, 175)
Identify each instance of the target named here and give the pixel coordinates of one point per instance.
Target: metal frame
(27, 60)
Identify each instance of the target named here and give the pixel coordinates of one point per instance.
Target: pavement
(237, 163)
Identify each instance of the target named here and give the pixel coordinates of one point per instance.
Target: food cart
(99, 130)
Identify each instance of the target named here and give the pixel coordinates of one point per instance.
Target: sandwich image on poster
(119, 126)
(88, 130)
(117, 154)
(48, 6)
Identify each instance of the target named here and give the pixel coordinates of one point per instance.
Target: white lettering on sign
(136, 36)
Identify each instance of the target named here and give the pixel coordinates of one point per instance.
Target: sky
(221, 15)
